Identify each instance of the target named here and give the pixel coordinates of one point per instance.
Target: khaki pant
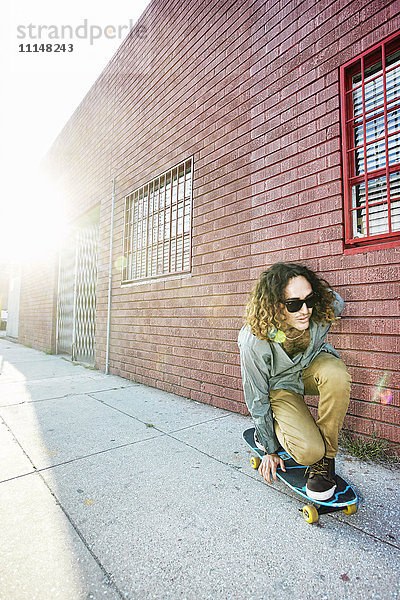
(306, 440)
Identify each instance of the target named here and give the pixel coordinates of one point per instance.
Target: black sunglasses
(295, 305)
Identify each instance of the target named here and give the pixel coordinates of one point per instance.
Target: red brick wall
(299, 112)
(250, 89)
(38, 305)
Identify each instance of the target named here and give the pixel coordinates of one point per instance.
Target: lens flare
(386, 396)
(120, 262)
(383, 394)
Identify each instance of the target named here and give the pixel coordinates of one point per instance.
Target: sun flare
(34, 222)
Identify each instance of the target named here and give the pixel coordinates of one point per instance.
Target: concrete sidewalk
(111, 490)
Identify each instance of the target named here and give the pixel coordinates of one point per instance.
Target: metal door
(76, 314)
(13, 303)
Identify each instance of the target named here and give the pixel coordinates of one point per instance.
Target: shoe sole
(320, 495)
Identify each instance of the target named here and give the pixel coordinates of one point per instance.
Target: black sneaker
(321, 482)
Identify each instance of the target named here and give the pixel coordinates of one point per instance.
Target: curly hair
(265, 303)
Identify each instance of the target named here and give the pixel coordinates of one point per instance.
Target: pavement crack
(135, 418)
(68, 395)
(108, 575)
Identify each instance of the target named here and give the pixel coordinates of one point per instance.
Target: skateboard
(295, 477)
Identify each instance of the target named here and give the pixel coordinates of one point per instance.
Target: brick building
(222, 137)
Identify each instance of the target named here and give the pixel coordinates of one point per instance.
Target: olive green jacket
(266, 366)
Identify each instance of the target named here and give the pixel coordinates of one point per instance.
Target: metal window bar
(155, 226)
(160, 226)
(145, 217)
(157, 230)
(190, 215)
(137, 219)
(163, 215)
(171, 185)
(183, 218)
(125, 245)
(376, 145)
(386, 137)
(130, 234)
(150, 231)
(380, 106)
(365, 145)
(375, 133)
(174, 220)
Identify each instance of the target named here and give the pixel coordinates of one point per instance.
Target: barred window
(157, 232)
(370, 95)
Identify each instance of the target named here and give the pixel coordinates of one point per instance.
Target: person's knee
(309, 454)
(334, 373)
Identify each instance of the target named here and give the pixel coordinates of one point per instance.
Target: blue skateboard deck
(295, 477)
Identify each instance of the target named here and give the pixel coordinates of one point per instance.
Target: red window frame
(384, 175)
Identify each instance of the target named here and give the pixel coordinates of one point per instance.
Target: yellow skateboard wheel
(310, 513)
(351, 509)
(255, 462)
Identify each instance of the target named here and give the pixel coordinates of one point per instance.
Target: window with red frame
(370, 105)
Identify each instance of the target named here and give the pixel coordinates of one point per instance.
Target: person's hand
(269, 464)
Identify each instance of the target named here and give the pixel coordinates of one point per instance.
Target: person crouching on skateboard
(284, 355)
